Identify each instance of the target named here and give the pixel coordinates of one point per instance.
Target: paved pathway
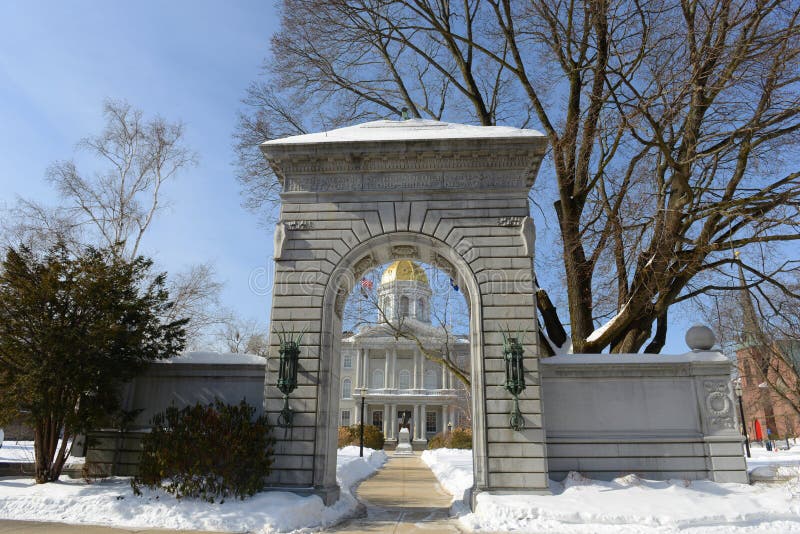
(403, 497)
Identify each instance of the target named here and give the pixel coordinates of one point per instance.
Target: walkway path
(403, 497)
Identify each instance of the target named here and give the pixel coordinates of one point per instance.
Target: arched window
(421, 309)
(404, 306)
(377, 379)
(430, 379)
(404, 379)
(347, 388)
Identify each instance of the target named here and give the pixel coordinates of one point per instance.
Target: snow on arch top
(405, 130)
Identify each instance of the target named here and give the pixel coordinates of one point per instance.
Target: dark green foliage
(73, 329)
(373, 437)
(458, 438)
(206, 451)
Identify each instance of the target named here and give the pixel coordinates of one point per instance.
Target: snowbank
(110, 502)
(627, 504)
(453, 469)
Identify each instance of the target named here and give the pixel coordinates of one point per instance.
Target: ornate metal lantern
(287, 374)
(515, 377)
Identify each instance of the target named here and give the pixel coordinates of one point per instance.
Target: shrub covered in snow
(458, 438)
(206, 451)
(349, 435)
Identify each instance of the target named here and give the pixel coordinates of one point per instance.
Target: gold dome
(404, 270)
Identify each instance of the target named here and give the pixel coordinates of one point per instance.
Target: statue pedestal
(404, 444)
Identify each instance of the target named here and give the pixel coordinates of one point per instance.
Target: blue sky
(186, 60)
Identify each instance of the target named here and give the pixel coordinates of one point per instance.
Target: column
(357, 411)
(452, 415)
(394, 368)
(386, 370)
(444, 376)
(393, 427)
(415, 383)
(357, 382)
(423, 419)
(416, 421)
(386, 425)
(364, 367)
(445, 418)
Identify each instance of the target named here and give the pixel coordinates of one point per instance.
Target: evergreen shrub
(206, 451)
(458, 438)
(373, 437)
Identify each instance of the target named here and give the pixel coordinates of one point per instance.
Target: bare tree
(241, 336)
(119, 202)
(115, 204)
(671, 126)
(761, 325)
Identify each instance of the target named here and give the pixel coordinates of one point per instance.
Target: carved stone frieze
(363, 265)
(341, 300)
(509, 221)
(393, 181)
(299, 225)
(404, 251)
(441, 263)
(279, 240)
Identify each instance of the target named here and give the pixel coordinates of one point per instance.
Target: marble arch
(451, 195)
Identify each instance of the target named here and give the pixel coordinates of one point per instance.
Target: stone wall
(196, 377)
(182, 381)
(655, 415)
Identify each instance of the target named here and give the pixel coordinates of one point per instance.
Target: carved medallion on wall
(719, 404)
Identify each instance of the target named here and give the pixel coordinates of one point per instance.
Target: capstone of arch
(449, 195)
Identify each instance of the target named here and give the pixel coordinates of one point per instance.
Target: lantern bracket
(515, 376)
(287, 373)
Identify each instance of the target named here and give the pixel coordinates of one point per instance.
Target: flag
(453, 284)
(366, 284)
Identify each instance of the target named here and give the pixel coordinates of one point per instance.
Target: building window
(430, 422)
(345, 417)
(347, 389)
(404, 379)
(348, 360)
(421, 310)
(430, 379)
(377, 418)
(377, 379)
(403, 306)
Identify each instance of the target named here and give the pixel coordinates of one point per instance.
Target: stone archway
(453, 196)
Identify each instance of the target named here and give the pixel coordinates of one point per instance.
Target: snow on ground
(628, 504)
(111, 502)
(22, 452)
(762, 456)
